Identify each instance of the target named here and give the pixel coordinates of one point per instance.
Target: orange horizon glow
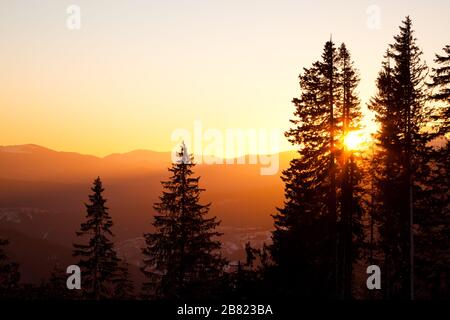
(138, 71)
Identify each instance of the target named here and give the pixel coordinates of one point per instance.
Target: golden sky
(137, 71)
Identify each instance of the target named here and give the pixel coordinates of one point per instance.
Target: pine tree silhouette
(433, 236)
(350, 230)
(182, 258)
(403, 151)
(98, 258)
(441, 88)
(313, 238)
(304, 253)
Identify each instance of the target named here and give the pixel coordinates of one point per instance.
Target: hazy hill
(42, 195)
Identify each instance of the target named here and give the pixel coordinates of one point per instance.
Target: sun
(362, 138)
(355, 140)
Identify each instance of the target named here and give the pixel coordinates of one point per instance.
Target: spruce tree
(304, 246)
(9, 274)
(384, 194)
(98, 258)
(403, 150)
(433, 228)
(433, 238)
(182, 258)
(350, 233)
(315, 241)
(440, 85)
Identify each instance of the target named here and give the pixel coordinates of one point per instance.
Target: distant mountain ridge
(36, 163)
(24, 148)
(32, 162)
(42, 196)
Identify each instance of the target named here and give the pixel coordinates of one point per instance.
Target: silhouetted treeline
(403, 219)
(344, 208)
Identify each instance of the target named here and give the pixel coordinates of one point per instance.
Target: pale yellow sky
(137, 71)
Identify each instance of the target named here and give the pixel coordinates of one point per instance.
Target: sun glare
(362, 139)
(355, 140)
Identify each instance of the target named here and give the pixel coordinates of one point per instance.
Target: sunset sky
(138, 70)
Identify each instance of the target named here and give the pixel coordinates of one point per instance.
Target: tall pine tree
(98, 258)
(402, 139)
(182, 258)
(441, 88)
(433, 239)
(314, 231)
(350, 233)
